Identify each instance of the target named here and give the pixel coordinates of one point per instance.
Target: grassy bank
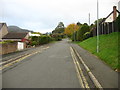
(108, 48)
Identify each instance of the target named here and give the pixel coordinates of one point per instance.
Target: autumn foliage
(70, 29)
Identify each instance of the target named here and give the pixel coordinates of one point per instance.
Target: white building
(113, 15)
(30, 34)
(119, 6)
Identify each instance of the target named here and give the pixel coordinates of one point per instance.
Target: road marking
(81, 77)
(78, 74)
(20, 59)
(95, 81)
(17, 57)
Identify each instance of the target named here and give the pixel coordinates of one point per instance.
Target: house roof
(1, 25)
(15, 35)
(108, 16)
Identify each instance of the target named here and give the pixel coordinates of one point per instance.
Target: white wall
(20, 46)
(110, 18)
(119, 6)
(30, 34)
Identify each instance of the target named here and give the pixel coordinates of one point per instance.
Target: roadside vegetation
(108, 48)
(58, 32)
(78, 32)
(43, 39)
(56, 35)
(82, 34)
(7, 41)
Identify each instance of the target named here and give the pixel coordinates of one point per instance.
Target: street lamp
(97, 26)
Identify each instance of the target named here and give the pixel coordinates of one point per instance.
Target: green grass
(108, 48)
(2, 42)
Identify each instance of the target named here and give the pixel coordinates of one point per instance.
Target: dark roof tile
(15, 36)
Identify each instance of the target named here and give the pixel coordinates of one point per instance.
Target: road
(52, 68)
(57, 65)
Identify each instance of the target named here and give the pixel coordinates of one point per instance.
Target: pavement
(107, 77)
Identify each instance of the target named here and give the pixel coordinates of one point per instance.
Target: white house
(113, 15)
(3, 30)
(119, 6)
(30, 34)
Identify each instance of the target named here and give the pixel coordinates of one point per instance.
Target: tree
(58, 33)
(59, 29)
(36, 33)
(79, 24)
(70, 29)
(118, 23)
(99, 20)
(74, 36)
(60, 25)
(81, 32)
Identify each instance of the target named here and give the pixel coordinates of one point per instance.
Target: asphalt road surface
(52, 68)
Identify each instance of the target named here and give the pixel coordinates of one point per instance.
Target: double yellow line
(81, 77)
(20, 59)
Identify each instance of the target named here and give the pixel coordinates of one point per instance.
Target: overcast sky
(44, 15)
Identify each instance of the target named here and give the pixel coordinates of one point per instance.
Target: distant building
(21, 39)
(31, 34)
(119, 6)
(3, 30)
(112, 16)
(13, 36)
(107, 25)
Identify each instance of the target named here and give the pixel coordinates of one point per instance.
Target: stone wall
(8, 48)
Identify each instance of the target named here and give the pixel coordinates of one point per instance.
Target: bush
(44, 39)
(34, 43)
(74, 36)
(9, 41)
(81, 32)
(57, 37)
(34, 38)
(118, 23)
(87, 35)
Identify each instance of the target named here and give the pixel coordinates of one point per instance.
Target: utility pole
(97, 26)
(74, 36)
(74, 33)
(89, 19)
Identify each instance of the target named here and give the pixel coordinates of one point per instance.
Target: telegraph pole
(74, 33)
(97, 26)
(89, 19)
(74, 36)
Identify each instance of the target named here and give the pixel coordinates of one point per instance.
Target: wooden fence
(106, 28)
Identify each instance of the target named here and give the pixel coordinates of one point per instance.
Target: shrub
(57, 37)
(44, 39)
(34, 43)
(87, 35)
(9, 41)
(81, 32)
(118, 23)
(74, 36)
(34, 38)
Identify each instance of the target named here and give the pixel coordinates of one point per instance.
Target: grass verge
(108, 48)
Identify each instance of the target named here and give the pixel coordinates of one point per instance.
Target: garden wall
(8, 48)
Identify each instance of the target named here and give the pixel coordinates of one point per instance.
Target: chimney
(114, 13)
